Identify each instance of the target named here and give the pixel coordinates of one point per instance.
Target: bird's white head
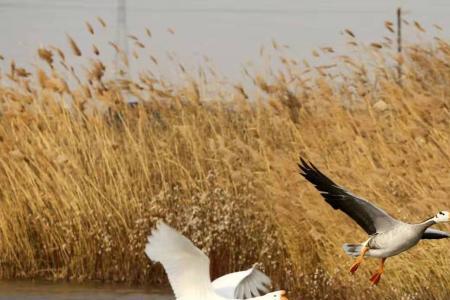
(278, 295)
(441, 217)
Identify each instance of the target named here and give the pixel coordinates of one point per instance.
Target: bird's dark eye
(441, 213)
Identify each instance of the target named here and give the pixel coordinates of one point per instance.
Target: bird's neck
(427, 223)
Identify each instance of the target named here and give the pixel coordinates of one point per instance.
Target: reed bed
(85, 175)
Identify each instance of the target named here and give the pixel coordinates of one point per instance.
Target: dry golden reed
(95, 50)
(46, 55)
(350, 33)
(73, 45)
(102, 22)
(90, 28)
(148, 32)
(85, 176)
(389, 26)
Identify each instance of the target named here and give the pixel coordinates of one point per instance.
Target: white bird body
(187, 268)
(389, 244)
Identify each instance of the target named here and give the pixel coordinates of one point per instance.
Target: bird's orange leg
(359, 260)
(377, 275)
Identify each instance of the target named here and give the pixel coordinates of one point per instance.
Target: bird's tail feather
(352, 249)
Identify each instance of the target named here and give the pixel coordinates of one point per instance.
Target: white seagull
(188, 270)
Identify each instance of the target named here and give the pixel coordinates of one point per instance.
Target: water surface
(25, 290)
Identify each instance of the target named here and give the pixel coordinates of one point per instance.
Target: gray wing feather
(371, 218)
(434, 234)
(253, 285)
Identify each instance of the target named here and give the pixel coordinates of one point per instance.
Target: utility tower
(121, 38)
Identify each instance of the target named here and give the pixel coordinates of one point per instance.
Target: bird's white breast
(394, 242)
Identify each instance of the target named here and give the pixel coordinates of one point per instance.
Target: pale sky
(230, 32)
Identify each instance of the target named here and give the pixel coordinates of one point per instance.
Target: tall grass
(85, 176)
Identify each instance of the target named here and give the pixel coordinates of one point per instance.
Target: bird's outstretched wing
(242, 285)
(371, 218)
(434, 234)
(186, 266)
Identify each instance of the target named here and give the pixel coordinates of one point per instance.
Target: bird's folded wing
(371, 218)
(434, 234)
(186, 266)
(242, 285)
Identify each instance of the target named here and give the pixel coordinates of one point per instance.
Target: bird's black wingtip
(302, 161)
(310, 172)
(308, 167)
(305, 166)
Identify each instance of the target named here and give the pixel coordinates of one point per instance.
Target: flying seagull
(188, 270)
(387, 236)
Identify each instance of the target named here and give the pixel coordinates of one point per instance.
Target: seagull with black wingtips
(387, 236)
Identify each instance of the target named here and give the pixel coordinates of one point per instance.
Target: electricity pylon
(121, 38)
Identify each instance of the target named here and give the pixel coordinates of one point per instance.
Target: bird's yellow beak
(283, 297)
